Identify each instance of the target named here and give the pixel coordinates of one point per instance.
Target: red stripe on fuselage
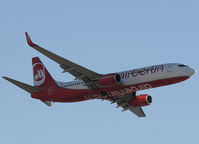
(74, 95)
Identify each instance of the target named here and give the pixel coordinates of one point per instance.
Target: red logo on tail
(39, 74)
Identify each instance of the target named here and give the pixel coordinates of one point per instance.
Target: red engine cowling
(110, 80)
(141, 100)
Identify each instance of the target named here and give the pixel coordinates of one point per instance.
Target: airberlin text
(143, 71)
(118, 93)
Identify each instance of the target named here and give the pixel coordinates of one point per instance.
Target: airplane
(119, 87)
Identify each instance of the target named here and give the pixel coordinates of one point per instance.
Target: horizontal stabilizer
(48, 103)
(26, 87)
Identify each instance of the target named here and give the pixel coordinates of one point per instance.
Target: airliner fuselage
(131, 81)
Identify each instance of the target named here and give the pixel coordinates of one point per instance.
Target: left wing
(89, 77)
(124, 102)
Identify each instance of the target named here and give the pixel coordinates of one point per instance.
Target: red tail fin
(41, 76)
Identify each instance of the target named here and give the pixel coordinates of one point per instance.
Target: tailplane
(43, 83)
(30, 89)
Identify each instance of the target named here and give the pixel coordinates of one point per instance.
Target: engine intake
(110, 80)
(141, 100)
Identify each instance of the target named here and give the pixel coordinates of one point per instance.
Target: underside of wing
(124, 102)
(89, 77)
(137, 111)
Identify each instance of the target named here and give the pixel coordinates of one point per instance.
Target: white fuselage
(142, 75)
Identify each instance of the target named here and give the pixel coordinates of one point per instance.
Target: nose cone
(191, 72)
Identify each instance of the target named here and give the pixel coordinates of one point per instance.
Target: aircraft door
(169, 67)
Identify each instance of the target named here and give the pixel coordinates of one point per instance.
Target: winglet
(30, 43)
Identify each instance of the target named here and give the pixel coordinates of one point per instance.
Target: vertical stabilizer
(41, 76)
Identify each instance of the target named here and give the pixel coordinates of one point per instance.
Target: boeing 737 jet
(119, 87)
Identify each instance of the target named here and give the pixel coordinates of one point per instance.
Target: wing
(137, 111)
(124, 102)
(89, 77)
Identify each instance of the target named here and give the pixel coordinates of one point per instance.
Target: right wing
(137, 111)
(89, 77)
(124, 102)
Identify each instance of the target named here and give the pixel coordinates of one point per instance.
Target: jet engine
(110, 80)
(141, 100)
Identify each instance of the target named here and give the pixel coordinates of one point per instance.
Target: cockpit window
(181, 65)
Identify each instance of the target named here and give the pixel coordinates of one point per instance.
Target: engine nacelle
(110, 80)
(141, 100)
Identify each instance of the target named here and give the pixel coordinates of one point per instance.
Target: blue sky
(104, 36)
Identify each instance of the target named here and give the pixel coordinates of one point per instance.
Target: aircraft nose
(191, 71)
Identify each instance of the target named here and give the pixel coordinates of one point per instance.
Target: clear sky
(104, 36)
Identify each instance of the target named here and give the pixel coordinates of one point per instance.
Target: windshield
(182, 65)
